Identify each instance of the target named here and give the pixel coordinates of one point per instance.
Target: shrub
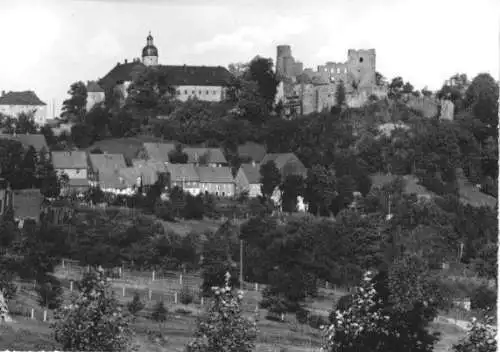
(165, 211)
(484, 298)
(194, 208)
(317, 321)
(186, 296)
(481, 338)
(136, 305)
(50, 294)
(93, 321)
(160, 312)
(224, 328)
(302, 316)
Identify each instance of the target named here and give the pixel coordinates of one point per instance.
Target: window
(214, 92)
(194, 92)
(206, 92)
(178, 92)
(199, 92)
(360, 59)
(223, 194)
(185, 91)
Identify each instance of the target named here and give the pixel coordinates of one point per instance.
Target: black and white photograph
(249, 175)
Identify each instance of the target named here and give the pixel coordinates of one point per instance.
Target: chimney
(126, 60)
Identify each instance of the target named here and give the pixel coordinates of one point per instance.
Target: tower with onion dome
(150, 52)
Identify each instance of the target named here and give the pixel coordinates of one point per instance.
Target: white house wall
(40, 111)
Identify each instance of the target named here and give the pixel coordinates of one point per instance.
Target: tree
(320, 189)
(260, 70)
(407, 88)
(25, 123)
(94, 320)
(136, 305)
(46, 176)
(98, 119)
(395, 88)
(291, 188)
(480, 338)
(340, 97)
(177, 156)
(27, 175)
(160, 312)
(82, 135)
(482, 97)
(270, 178)
(11, 157)
(74, 108)
(223, 327)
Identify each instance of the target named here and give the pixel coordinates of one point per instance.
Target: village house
(14, 103)
(213, 157)
(252, 151)
(248, 179)
(216, 180)
(95, 95)
(73, 164)
(105, 163)
(287, 164)
(184, 176)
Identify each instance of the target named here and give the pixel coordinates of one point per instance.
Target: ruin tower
(150, 52)
(284, 62)
(361, 67)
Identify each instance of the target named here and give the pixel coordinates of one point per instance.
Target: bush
(185, 296)
(50, 294)
(160, 312)
(317, 321)
(165, 211)
(136, 305)
(302, 316)
(483, 298)
(194, 208)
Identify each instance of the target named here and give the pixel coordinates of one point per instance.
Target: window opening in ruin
(360, 59)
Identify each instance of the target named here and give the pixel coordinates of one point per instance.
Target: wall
(361, 65)
(192, 187)
(74, 174)
(13, 110)
(221, 189)
(205, 93)
(447, 110)
(94, 98)
(150, 60)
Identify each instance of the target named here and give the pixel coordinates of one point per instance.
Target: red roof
(27, 97)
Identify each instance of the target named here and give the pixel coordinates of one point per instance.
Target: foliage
(74, 108)
(160, 313)
(224, 328)
(270, 178)
(291, 188)
(136, 305)
(482, 97)
(481, 338)
(94, 320)
(340, 96)
(320, 189)
(186, 296)
(177, 156)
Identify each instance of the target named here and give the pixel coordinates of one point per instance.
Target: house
(248, 179)
(252, 151)
(74, 164)
(184, 176)
(213, 157)
(158, 151)
(36, 141)
(216, 180)
(111, 181)
(95, 95)
(287, 164)
(14, 103)
(207, 83)
(105, 163)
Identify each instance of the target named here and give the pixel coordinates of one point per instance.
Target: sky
(49, 44)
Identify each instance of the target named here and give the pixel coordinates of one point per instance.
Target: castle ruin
(306, 90)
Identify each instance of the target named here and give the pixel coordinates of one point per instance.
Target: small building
(27, 205)
(95, 95)
(252, 151)
(287, 164)
(216, 180)
(248, 179)
(74, 164)
(14, 103)
(110, 181)
(184, 176)
(213, 157)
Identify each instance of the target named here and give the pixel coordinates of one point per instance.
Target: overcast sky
(47, 45)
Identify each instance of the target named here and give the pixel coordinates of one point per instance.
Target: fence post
(150, 294)
(120, 272)
(34, 284)
(180, 279)
(44, 315)
(123, 291)
(201, 300)
(63, 263)
(153, 276)
(256, 286)
(32, 313)
(71, 286)
(175, 297)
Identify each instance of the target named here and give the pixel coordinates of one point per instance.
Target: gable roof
(130, 175)
(70, 160)
(36, 140)
(27, 97)
(111, 179)
(159, 151)
(179, 75)
(252, 172)
(158, 166)
(183, 173)
(93, 87)
(252, 150)
(214, 155)
(215, 174)
(107, 162)
(27, 203)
